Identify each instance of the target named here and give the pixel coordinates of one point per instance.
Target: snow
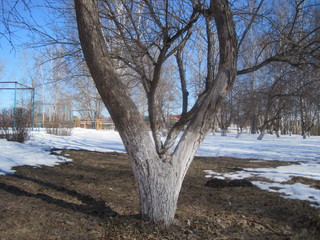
(304, 152)
(17, 154)
(81, 139)
(292, 191)
(285, 148)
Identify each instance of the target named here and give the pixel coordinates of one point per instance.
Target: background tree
(307, 99)
(225, 115)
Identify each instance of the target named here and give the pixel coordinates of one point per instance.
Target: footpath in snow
(306, 152)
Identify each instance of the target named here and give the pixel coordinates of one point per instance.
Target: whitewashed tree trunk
(158, 190)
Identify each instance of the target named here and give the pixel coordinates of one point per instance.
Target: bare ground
(72, 200)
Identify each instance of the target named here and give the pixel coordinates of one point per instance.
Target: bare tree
(225, 115)
(159, 170)
(272, 97)
(307, 99)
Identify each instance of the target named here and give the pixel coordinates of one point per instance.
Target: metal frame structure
(19, 86)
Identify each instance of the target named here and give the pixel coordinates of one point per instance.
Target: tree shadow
(90, 206)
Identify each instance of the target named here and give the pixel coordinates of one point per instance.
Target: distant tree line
(280, 99)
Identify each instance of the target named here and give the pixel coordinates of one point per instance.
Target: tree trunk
(159, 180)
(158, 191)
(253, 124)
(223, 132)
(239, 132)
(304, 135)
(262, 133)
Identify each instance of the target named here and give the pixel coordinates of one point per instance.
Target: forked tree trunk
(159, 181)
(159, 177)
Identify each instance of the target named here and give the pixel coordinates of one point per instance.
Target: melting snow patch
(292, 191)
(211, 174)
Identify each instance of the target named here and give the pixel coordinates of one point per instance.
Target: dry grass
(69, 201)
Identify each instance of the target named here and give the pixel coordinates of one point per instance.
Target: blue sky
(15, 57)
(13, 63)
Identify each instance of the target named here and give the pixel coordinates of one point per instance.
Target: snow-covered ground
(306, 152)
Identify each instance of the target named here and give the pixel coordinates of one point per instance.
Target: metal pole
(70, 119)
(14, 107)
(39, 116)
(33, 93)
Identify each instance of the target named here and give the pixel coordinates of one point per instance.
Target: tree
(159, 171)
(225, 115)
(307, 99)
(272, 97)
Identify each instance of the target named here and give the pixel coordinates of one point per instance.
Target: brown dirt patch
(70, 201)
